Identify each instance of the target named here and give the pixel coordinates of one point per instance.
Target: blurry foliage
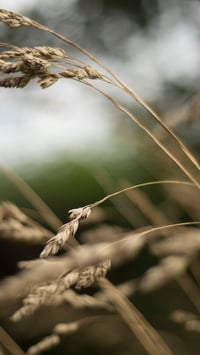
(65, 184)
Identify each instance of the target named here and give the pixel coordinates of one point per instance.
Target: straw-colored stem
(158, 119)
(146, 130)
(48, 215)
(9, 343)
(176, 182)
(148, 337)
(191, 290)
(125, 88)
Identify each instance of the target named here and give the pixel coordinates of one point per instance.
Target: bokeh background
(68, 142)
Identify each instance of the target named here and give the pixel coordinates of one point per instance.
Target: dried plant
(65, 281)
(66, 231)
(14, 224)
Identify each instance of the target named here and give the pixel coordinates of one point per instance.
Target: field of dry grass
(120, 290)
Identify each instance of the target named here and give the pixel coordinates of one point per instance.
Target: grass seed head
(14, 20)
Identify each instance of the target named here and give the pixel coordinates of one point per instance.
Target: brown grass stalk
(148, 337)
(9, 344)
(149, 183)
(149, 133)
(44, 210)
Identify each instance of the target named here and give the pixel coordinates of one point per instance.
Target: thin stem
(191, 290)
(148, 337)
(48, 215)
(9, 343)
(158, 119)
(160, 228)
(125, 88)
(141, 185)
(137, 122)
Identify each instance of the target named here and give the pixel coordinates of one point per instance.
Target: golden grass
(55, 281)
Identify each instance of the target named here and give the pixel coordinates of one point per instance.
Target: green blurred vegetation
(66, 183)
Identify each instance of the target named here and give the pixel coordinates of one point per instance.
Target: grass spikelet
(90, 274)
(16, 226)
(57, 292)
(47, 80)
(66, 231)
(14, 20)
(34, 65)
(56, 243)
(44, 345)
(15, 82)
(39, 51)
(60, 330)
(9, 67)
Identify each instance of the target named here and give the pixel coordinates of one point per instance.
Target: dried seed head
(82, 73)
(72, 226)
(23, 312)
(44, 345)
(66, 231)
(15, 225)
(79, 74)
(40, 51)
(47, 80)
(35, 65)
(69, 280)
(90, 274)
(92, 73)
(14, 20)
(11, 67)
(50, 52)
(37, 297)
(9, 210)
(66, 328)
(58, 241)
(17, 82)
(102, 269)
(55, 244)
(80, 213)
(10, 54)
(82, 301)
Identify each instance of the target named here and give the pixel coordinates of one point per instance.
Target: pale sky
(16, 5)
